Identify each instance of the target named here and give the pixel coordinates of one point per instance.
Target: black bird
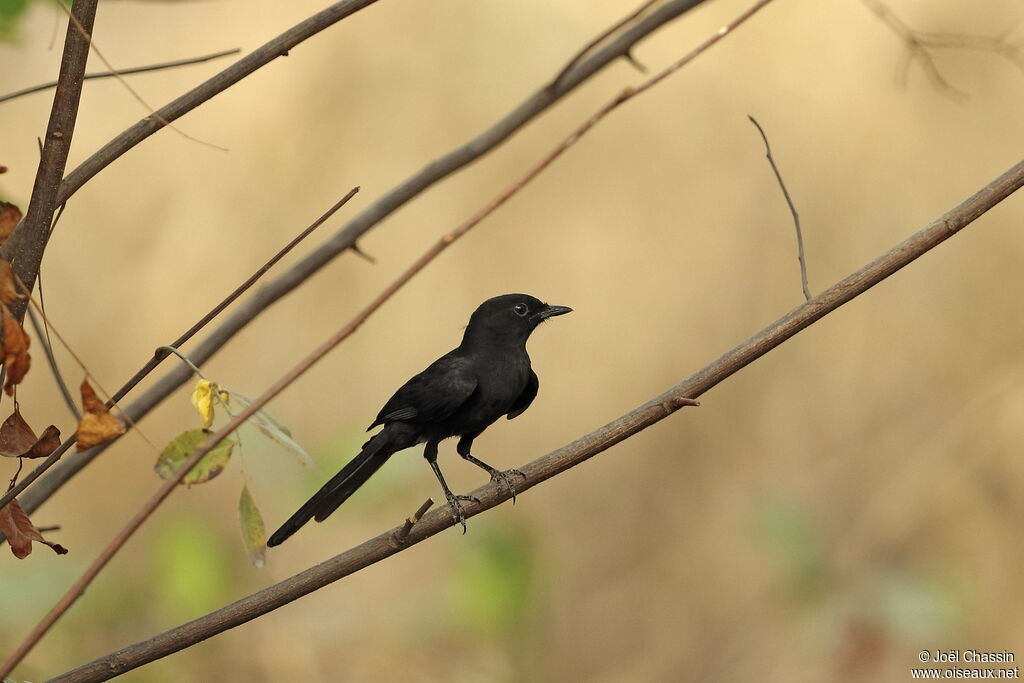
(460, 394)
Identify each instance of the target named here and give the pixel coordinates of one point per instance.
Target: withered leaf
(17, 440)
(8, 290)
(9, 217)
(20, 532)
(15, 351)
(97, 424)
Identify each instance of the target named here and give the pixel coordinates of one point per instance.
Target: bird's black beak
(552, 311)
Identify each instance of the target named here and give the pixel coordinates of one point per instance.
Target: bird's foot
(506, 479)
(456, 507)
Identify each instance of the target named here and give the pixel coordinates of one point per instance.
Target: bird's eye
(520, 309)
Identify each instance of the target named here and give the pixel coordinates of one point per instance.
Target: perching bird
(460, 394)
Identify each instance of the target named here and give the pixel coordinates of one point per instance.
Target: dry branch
(547, 466)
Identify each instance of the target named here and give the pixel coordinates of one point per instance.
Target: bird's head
(510, 317)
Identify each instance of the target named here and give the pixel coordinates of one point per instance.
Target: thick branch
(547, 466)
(24, 248)
(346, 238)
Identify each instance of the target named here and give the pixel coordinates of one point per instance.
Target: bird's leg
(430, 453)
(465, 443)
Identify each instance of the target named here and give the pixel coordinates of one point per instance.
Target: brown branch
(347, 237)
(160, 355)
(123, 72)
(24, 248)
(570, 455)
(792, 209)
(346, 331)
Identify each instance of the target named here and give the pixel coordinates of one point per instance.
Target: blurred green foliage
(192, 569)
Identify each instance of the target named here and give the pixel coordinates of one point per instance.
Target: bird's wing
(525, 398)
(432, 395)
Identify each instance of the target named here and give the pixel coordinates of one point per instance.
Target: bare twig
(44, 341)
(24, 248)
(342, 240)
(792, 209)
(160, 355)
(402, 532)
(570, 455)
(124, 72)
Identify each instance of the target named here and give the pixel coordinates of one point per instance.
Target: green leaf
(254, 535)
(181, 447)
(274, 430)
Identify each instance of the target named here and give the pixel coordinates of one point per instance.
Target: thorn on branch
(362, 254)
(411, 521)
(631, 58)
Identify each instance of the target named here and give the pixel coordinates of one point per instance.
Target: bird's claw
(456, 508)
(506, 479)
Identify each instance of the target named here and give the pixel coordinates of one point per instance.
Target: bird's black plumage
(460, 394)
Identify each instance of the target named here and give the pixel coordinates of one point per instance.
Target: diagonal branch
(24, 248)
(570, 455)
(347, 237)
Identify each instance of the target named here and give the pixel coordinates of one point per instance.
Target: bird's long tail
(375, 453)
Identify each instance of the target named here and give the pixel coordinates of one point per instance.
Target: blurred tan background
(850, 499)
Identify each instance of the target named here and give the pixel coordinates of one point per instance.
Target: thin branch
(132, 91)
(24, 248)
(160, 355)
(792, 209)
(345, 238)
(44, 341)
(218, 83)
(124, 72)
(345, 332)
(570, 455)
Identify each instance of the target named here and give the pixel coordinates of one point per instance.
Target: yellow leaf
(97, 424)
(254, 535)
(202, 399)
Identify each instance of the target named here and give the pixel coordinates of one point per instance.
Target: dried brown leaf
(9, 217)
(8, 290)
(16, 436)
(20, 532)
(97, 424)
(17, 440)
(15, 351)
